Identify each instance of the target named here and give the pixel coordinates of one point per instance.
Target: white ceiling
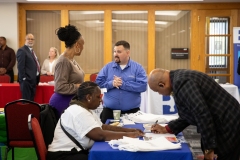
(121, 1)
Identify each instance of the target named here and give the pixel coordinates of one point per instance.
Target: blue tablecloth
(103, 151)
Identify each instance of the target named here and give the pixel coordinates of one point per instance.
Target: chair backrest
(93, 77)
(16, 116)
(45, 78)
(38, 140)
(5, 78)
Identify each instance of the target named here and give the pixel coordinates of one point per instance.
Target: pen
(155, 123)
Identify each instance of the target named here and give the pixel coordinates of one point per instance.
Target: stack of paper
(134, 145)
(147, 127)
(141, 117)
(169, 137)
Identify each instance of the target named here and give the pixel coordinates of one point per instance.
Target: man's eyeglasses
(32, 39)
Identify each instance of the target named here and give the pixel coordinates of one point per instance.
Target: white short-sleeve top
(77, 121)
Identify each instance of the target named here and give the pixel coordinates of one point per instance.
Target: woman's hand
(156, 128)
(134, 130)
(135, 134)
(49, 73)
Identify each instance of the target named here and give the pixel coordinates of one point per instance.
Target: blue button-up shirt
(128, 96)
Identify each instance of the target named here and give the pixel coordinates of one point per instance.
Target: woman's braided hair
(85, 88)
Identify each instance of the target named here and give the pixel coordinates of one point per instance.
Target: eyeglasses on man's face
(30, 39)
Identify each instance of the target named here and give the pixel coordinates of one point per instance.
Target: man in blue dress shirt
(124, 80)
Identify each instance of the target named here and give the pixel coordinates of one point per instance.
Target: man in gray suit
(28, 68)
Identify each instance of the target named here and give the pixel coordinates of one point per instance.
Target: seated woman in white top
(84, 125)
(49, 64)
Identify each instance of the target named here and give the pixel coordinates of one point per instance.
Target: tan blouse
(67, 74)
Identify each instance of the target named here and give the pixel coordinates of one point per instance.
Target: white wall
(9, 25)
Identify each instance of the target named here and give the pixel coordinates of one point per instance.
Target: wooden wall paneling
(233, 23)
(22, 26)
(203, 35)
(108, 53)
(194, 50)
(151, 41)
(238, 17)
(22, 30)
(64, 22)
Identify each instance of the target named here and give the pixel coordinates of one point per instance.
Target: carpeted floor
(193, 140)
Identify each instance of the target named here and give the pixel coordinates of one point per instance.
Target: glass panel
(218, 25)
(217, 43)
(131, 26)
(172, 31)
(218, 62)
(90, 25)
(42, 24)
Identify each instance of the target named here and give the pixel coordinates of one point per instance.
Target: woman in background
(49, 64)
(68, 74)
(84, 125)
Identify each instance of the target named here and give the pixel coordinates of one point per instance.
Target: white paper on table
(52, 83)
(147, 127)
(43, 84)
(134, 145)
(127, 122)
(170, 117)
(103, 90)
(154, 135)
(170, 137)
(141, 117)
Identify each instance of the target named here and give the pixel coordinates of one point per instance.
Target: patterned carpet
(193, 140)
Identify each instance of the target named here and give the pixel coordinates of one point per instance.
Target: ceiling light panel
(113, 1)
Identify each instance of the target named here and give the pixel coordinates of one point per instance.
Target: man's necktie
(35, 58)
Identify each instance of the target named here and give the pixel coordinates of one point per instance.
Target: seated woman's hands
(108, 132)
(135, 130)
(49, 73)
(135, 134)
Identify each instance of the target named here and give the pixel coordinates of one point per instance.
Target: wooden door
(215, 28)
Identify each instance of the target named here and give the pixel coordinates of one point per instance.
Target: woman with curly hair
(68, 74)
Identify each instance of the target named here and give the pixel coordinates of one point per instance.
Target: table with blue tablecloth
(103, 151)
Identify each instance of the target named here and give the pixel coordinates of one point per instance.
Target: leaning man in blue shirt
(124, 80)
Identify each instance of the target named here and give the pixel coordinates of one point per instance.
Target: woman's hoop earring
(78, 50)
(56, 30)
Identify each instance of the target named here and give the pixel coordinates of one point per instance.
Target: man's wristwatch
(208, 151)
